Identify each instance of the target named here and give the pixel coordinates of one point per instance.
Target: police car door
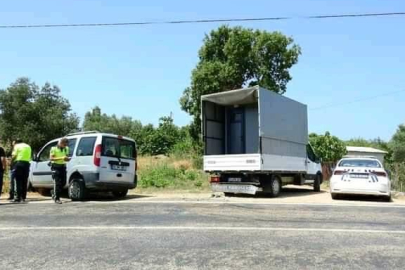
(41, 171)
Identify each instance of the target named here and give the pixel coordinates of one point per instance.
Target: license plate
(234, 179)
(359, 175)
(118, 167)
(243, 189)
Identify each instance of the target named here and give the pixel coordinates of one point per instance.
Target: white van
(100, 161)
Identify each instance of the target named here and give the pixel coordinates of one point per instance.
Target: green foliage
(398, 145)
(234, 57)
(165, 175)
(36, 115)
(327, 147)
(150, 140)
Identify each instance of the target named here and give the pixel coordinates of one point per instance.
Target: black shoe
(10, 198)
(16, 200)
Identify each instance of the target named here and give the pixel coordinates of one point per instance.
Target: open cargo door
(213, 128)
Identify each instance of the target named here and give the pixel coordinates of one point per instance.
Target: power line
(313, 17)
(357, 100)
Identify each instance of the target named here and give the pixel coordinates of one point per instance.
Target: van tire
(274, 187)
(335, 196)
(119, 194)
(317, 183)
(77, 190)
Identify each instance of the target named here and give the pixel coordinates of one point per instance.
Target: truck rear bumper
(236, 188)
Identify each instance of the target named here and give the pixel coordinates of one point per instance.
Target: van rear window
(115, 147)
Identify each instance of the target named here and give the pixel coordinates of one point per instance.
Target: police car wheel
(120, 193)
(76, 190)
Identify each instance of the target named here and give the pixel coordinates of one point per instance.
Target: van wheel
(77, 190)
(119, 194)
(317, 183)
(274, 186)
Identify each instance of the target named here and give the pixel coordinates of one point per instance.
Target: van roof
(96, 133)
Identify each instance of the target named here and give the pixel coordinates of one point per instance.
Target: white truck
(257, 141)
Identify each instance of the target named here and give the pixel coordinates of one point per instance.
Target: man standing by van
(59, 156)
(21, 157)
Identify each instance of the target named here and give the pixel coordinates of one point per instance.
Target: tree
(34, 114)
(150, 140)
(398, 145)
(125, 126)
(232, 58)
(327, 147)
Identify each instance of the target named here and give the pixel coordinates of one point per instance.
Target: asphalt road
(172, 235)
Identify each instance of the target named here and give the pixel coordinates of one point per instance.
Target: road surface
(201, 235)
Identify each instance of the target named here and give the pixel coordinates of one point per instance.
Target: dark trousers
(1, 181)
(12, 183)
(59, 180)
(22, 171)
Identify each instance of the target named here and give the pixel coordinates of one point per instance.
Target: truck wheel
(275, 186)
(335, 196)
(77, 190)
(317, 183)
(119, 194)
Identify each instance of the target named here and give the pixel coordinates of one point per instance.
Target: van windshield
(119, 148)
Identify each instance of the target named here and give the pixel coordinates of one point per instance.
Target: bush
(170, 173)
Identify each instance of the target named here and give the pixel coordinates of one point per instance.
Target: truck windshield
(360, 163)
(119, 148)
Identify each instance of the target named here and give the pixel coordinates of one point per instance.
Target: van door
(313, 163)
(236, 131)
(41, 171)
(117, 162)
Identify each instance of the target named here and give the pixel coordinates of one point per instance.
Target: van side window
(311, 154)
(72, 144)
(44, 155)
(86, 146)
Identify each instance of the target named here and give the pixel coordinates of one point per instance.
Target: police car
(100, 161)
(360, 176)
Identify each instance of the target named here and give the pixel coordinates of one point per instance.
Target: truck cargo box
(254, 129)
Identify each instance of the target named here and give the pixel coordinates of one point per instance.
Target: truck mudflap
(236, 188)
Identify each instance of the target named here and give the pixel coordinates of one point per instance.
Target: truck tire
(77, 190)
(317, 183)
(274, 187)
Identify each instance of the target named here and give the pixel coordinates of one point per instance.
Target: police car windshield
(119, 148)
(360, 163)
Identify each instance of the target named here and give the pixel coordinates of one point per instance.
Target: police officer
(21, 157)
(59, 156)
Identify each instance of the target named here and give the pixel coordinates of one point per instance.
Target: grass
(169, 174)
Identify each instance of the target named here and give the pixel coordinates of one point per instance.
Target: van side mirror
(35, 157)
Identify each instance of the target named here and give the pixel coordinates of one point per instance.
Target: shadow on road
(287, 192)
(362, 198)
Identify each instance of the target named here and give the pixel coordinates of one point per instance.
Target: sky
(141, 71)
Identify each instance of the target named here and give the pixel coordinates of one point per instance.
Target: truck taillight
(215, 179)
(97, 155)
